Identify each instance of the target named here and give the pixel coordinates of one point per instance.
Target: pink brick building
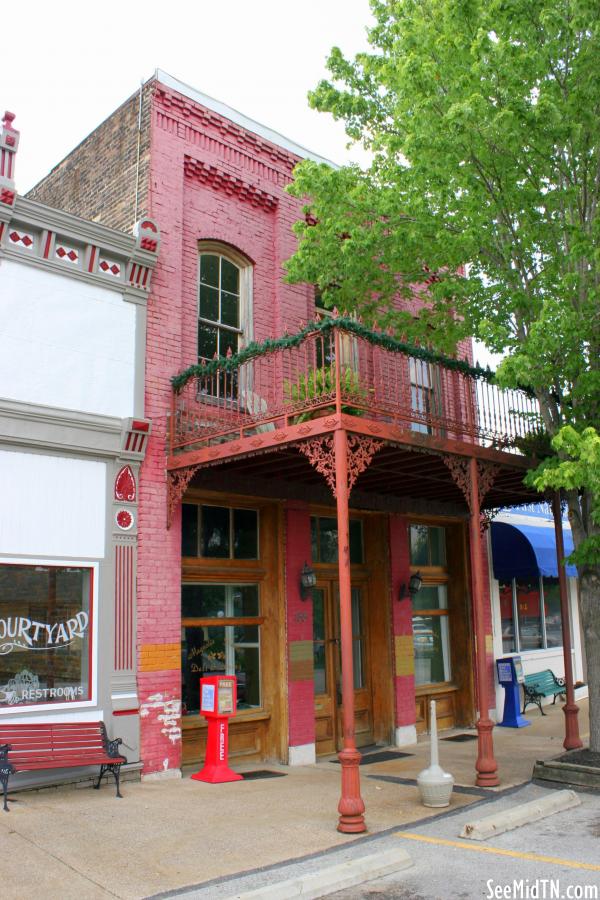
(237, 489)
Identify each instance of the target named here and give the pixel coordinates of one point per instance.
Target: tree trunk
(589, 580)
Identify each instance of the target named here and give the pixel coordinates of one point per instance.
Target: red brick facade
(203, 177)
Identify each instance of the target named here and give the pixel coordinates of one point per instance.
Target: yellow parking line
(570, 863)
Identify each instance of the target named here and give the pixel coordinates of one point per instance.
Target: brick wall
(97, 180)
(209, 180)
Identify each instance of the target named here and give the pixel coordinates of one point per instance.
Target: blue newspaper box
(510, 676)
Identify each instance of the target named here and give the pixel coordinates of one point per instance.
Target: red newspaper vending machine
(218, 700)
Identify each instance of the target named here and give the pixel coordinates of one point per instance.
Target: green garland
(324, 326)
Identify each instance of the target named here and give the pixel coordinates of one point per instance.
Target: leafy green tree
(482, 118)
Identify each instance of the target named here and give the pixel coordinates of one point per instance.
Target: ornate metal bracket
(459, 469)
(177, 483)
(361, 451)
(321, 455)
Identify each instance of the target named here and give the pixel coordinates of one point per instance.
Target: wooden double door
(328, 667)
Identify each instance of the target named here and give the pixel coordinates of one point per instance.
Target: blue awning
(520, 551)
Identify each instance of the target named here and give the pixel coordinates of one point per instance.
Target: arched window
(224, 302)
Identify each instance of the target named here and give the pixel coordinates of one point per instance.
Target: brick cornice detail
(222, 181)
(206, 118)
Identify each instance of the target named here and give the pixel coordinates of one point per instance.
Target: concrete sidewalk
(65, 843)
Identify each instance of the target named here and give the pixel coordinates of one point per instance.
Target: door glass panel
(203, 601)
(318, 614)
(245, 600)
(432, 649)
(328, 549)
(319, 659)
(357, 643)
(419, 545)
(245, 534)
(431, 596)
(247, 671)
(189, 529)
(215, 531)
(356, 541)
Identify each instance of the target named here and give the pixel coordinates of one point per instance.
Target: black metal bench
(540, 685)
(61, 745)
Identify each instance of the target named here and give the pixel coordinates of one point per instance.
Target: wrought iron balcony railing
(337, 366)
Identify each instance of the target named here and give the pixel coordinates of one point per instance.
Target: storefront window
(45, 634)
(218, 532)
(220, 637)
(528, 606)
(522, 601)
(553, 622)
(324, 537)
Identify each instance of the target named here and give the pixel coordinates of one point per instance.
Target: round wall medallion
(124, 519)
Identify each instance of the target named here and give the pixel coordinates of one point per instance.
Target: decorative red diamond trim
(24, 239)
(109, 268)
(70, 254)
(124, 519)
(148, 244)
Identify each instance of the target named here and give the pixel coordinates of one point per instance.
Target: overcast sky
(67, 66)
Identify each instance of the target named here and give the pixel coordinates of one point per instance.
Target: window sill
(446, 687)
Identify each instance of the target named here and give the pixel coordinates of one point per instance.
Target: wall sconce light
(414, 586)
(308, 580)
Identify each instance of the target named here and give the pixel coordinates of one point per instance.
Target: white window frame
(216, 248)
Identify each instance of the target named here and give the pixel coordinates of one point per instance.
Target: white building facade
(73, 300)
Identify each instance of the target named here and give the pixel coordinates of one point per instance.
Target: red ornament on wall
(124, 519)
(125, 485)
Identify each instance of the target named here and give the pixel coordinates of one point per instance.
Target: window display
(45, 634)
(522, 601)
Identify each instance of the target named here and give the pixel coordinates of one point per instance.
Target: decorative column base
(486, 765)
(351, 806)
(572, 740)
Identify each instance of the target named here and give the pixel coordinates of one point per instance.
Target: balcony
(284, 390)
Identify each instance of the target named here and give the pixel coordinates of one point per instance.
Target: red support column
(486, 764)
(351, 806)
(572, 740)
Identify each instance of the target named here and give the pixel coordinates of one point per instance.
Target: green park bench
(540, 685)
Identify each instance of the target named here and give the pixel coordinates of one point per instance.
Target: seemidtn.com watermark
(540, 889)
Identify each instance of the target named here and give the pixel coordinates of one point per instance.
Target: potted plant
(318, 384)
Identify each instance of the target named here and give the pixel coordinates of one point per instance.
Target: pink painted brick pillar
(301, 694)
(404, 679)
